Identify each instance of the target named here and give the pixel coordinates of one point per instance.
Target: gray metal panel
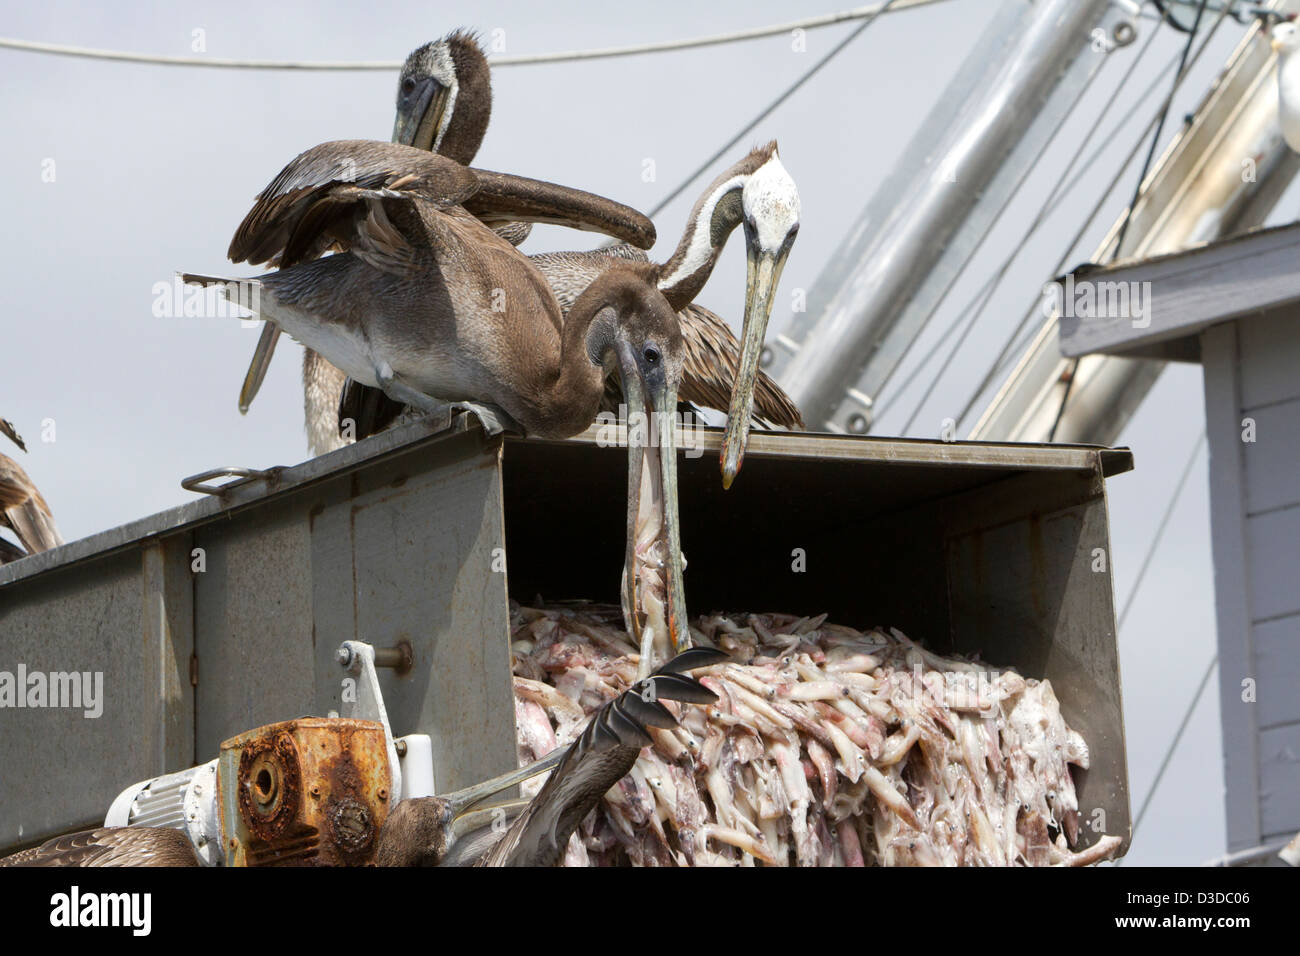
(388, 540)
(1023, 589)
(1273, 540)
(168, 618)
(59, 769)
(419, 549)
(1272, 460)
(1277, 651)
(1232, 576)
(1270, 353)
(1279, 751)
(253, 623)
(400, 551)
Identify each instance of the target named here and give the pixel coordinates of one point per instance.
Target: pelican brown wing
(336, 195)
(24, 510)
(111, 846)
(600, 757)
(345, 195)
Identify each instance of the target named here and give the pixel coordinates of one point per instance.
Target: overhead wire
(1128, 604)
(998, 361)
(771, 107)
(1137, 193)
(1172, 749)
(1059, 191)
(524, 59)
(1160, 529)
(989, 286)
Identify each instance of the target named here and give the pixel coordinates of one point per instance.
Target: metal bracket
(195, 482)
(358, 659)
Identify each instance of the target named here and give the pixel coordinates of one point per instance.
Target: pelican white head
(770, 204)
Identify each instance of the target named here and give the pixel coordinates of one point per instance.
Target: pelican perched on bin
(720, 372)
(428, 304)
(444, 105)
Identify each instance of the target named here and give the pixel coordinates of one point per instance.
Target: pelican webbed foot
(494, 419)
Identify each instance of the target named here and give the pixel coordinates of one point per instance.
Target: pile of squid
(828, 746)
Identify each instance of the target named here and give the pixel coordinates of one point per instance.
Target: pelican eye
(408, 86)
(651, 355)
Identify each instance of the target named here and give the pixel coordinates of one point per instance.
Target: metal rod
(922, 225)
(1189, 197)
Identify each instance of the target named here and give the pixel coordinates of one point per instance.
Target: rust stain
(313, 792)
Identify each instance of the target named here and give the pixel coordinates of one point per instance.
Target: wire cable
(771, 107)
(1160, 529)
(526, 59)
(1087, 223)
(1169, 753)
(1059, 192)
(987, 289)
(1164, 115)
(1123, 615)
(1073, 373)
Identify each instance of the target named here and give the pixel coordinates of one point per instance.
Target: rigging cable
(1059, 192)
(1003, 354)
(526, 59)
(771, 107)
(1137, 190)
(987, 289)
(1128, 604)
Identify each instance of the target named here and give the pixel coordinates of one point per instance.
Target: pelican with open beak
(653, 596)
(457, 829)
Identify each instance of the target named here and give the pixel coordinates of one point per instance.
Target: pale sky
(155, 166)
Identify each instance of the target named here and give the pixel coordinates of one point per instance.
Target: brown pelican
(111, 846)
(720, 373)
(434, 79)
(425, 300)
(22, 509)
(758, 193)
(448, 831)
(444, 105)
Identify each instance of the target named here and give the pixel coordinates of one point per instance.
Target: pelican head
(635, 329)
(769, 203)
(434, 831)
(444, 98)
(1284, 37)
(759, 194)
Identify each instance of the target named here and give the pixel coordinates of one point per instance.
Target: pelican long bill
(763, 272)
(464, 804)
(257, 366)
(652, 505)
(419, 114)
